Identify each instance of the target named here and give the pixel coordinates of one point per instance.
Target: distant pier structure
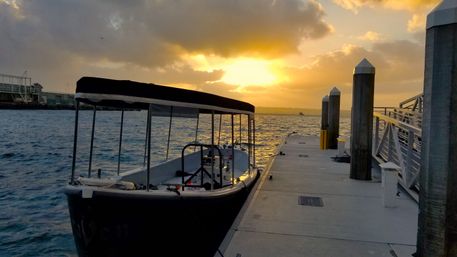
(19, 89)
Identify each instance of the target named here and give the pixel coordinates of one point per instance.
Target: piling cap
(364, 67)
(443, 14)
(335, 91)
(325, 98)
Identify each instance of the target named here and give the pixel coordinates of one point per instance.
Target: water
(36, 154)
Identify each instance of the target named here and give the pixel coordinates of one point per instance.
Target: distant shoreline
(294, 111)
(259, 110)
(15, 106)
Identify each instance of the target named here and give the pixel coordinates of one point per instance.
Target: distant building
(19, 90)
(54, 99)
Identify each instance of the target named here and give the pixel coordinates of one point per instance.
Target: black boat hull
(111, 224)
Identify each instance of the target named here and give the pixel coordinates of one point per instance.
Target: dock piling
(324, 123)
(362, 120)
(333, 118)
(437, 232)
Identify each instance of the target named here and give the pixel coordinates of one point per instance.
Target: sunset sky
(274, 53)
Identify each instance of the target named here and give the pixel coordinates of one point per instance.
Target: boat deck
(351, 222)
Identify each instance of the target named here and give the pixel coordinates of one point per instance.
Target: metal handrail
(201, 169)
(414, 103)
(399, 141)
(408, 116)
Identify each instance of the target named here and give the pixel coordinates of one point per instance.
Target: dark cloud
(152, 33)
(57, 42)
(231, 27)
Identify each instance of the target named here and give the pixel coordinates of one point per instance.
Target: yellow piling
(324, 139)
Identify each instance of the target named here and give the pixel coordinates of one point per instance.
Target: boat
(178, 207)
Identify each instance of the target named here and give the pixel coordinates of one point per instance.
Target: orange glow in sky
(245, 72)
(269, 53)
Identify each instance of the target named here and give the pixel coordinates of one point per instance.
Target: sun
(249, 72)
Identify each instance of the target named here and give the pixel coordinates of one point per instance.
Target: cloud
(399, 75)
(417, 22)
(370, 36)
(410, 5)
(60, 41)
(10, 3)
(231, 28)
(152, 33)
(418, 8)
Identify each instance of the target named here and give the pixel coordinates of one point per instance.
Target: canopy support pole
(212, 151)
(240, 130)
(120, 143)
(75, 142)
(169, 132)
(253, 134)
(196, 131)
(233, 151)
(249, 144)
(220, 125)
(148, 123)
(148, 168)
(92, 141)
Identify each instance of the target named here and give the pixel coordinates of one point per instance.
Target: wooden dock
(349, 219)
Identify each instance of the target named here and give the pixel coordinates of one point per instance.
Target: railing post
(437, 230)
(409, 157)
(390, 142)
(362, 120)
(376, 133)
(333, 117)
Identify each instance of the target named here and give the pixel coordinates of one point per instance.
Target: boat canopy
(131, 94)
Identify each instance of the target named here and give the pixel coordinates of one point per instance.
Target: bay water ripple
(36, 153)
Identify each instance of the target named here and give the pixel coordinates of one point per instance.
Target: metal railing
(397, 139)
(415, 103)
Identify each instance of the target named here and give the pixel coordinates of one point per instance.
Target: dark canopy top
(131, 94)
